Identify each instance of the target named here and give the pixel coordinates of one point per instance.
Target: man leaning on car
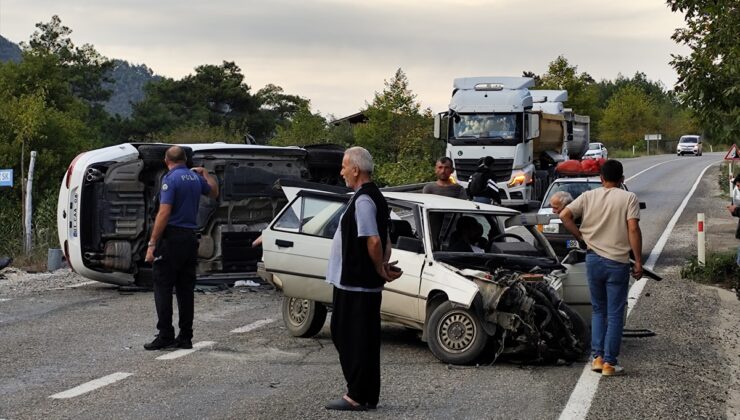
(610, 226)
(173, 247)
(358, 268)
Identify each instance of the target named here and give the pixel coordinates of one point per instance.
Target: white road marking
(4, 299)
(583, 394)
(645, 170)
(184, 352)
(92, 385)
(253, 326)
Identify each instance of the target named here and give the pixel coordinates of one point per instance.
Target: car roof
(595, 178)
(440, 202)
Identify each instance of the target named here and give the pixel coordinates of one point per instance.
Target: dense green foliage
(709, 77)
(397, 133)
(623, 110)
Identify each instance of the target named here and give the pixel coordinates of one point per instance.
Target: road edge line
(91, 385)
(580, 400)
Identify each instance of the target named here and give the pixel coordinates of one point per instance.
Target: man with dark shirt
(358, 269)
(173, 247)
(445, 185)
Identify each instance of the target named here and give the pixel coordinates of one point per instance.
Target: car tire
(581, 329)
(455, 335)
(303, 317)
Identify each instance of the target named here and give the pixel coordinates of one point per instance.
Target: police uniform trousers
(355, 331)
(175, 258)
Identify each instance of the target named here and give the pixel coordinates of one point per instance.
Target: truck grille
(501, 167)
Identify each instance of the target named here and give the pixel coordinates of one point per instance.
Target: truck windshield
(487, 126)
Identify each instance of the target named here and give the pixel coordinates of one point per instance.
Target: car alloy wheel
(303, 317)
(455, 334)
(299, 309)
(457, 331)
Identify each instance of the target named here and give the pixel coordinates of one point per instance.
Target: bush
(720, 268)
(44, 230)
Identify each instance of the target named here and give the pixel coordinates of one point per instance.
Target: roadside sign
(732, 154)
(653, 137)
(6, 177)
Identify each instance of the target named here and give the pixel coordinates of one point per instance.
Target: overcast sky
(337, 53)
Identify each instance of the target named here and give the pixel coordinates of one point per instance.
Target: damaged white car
(462, 287)
(109, 198)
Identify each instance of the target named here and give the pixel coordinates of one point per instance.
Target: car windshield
(688, 139)
(492, 126)
(594, 146)
(573, 188)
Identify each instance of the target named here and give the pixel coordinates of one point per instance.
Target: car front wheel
(303, 317)
(455, 334)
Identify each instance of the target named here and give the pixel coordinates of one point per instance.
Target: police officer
(173, 247)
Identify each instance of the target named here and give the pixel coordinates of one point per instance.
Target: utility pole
(29, 206)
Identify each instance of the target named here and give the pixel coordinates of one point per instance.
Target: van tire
(303, 317)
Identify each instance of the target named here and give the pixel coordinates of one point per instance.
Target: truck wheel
(455, 334)
(303, 317)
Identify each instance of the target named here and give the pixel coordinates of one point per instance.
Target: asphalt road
(51, 341)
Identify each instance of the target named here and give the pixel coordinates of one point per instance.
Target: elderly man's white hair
(563, 197)
(361, 158)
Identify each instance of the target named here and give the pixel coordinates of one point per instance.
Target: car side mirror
(407, 243)
(643, 206)
(575, 256)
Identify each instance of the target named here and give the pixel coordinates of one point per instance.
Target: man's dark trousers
(174, 267)
(355, 330)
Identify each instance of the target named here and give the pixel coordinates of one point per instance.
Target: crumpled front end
(526, 315)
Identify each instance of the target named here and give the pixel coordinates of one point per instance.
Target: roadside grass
(44, 232)
(625, 153)
(723, 178)
(720, 269)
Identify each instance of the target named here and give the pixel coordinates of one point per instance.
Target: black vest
(358, 269)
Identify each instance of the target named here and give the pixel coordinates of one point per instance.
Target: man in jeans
(610, 228)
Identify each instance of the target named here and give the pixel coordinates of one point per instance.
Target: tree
(215, 96)
(709, 77)
(303, 128)
(398, 134)
(582, 94)
(629, 115)
(84, 68)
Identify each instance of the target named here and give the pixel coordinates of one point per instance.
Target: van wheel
(455, 334)
(303, 317)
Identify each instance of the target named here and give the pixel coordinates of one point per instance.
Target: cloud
(338, 53)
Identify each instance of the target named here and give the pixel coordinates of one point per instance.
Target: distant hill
(127, 86)
(9, 51)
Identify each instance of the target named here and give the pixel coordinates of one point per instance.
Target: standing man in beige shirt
(610, 228)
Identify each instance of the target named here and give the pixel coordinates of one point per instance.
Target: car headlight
(551, 228)
(520, 178)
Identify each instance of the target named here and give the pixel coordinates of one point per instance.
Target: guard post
(700, 240)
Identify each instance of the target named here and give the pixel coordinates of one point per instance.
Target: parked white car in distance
(596, 151)
(689, 144)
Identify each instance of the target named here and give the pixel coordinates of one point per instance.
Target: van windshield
(689, 139)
